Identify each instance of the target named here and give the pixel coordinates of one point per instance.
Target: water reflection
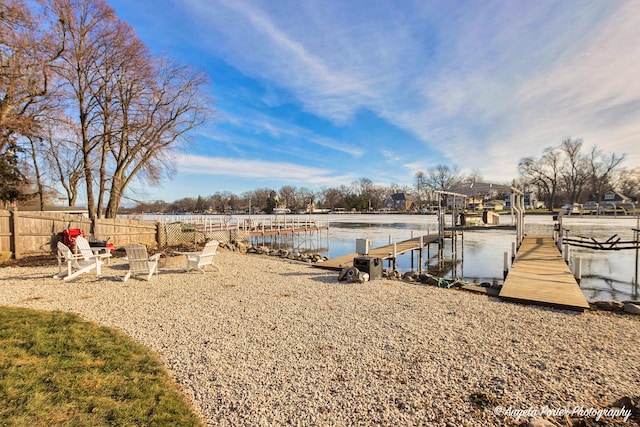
(606, 274)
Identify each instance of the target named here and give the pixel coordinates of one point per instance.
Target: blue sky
(321, 93)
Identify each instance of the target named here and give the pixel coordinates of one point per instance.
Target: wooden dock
(383, 252)
(262, 232)
(540, 276)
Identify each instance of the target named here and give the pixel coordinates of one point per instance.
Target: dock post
(395, 255)
(505, 270)
(636, 231)
(577, 269)
(559, 242)
(420, 255)
(513, 251)
(566, 253)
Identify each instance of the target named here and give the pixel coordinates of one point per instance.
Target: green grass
(56, 369)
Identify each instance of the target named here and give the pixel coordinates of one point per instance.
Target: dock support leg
(505, 270)
(420, 255)
(395, 256)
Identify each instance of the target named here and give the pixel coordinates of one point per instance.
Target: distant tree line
(85, 105)
(361, 195)
(563, 174)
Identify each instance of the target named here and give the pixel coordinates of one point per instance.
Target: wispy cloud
(478, 84)
(290, 131)
(264, 45)
(260, 170)
(516, 96)
(468, 82)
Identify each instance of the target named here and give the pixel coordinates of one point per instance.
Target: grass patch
(56, 369)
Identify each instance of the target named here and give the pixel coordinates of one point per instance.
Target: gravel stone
(270, 342)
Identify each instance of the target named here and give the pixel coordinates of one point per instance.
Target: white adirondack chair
(83, 247)
(76, 264)
(140, 262)
(199, 260)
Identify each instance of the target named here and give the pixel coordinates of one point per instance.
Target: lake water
(606, 275)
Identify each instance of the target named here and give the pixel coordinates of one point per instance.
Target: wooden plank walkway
(384, 252)
(540, 276)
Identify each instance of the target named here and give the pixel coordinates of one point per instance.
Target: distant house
(612, 196)
(530, 201)
(494, 205)
(399, 202)
(475, 203)
(609, 198)
(457, 201)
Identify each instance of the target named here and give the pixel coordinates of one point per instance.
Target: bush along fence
(32, 233)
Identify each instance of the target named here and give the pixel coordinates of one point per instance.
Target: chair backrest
(210, 248)
(64, 251)
(82, 245)
(137, 256)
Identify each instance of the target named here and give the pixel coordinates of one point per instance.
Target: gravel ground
(267, 342)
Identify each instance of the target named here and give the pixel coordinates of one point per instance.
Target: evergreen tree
(12, 181)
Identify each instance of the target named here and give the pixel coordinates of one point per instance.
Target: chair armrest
(188, 253)
(73, 256)
(154, 257)
(99, 257)
(101, 251)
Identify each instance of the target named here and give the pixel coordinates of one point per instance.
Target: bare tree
(421, 187)
(543, 173)
(629, 182)
(85, 26)
(474, 176)
(164, 115)
(306, 198)
(365, 194)
(27, 53)
(574, 170)
(63, 157)
(258, 199)
(602, 168)
(331, 197)
(287, 196)
(442, 177)
(134, 111)
(34, 149)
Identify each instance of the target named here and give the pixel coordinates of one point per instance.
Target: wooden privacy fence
(5, 232)
(31, 233)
